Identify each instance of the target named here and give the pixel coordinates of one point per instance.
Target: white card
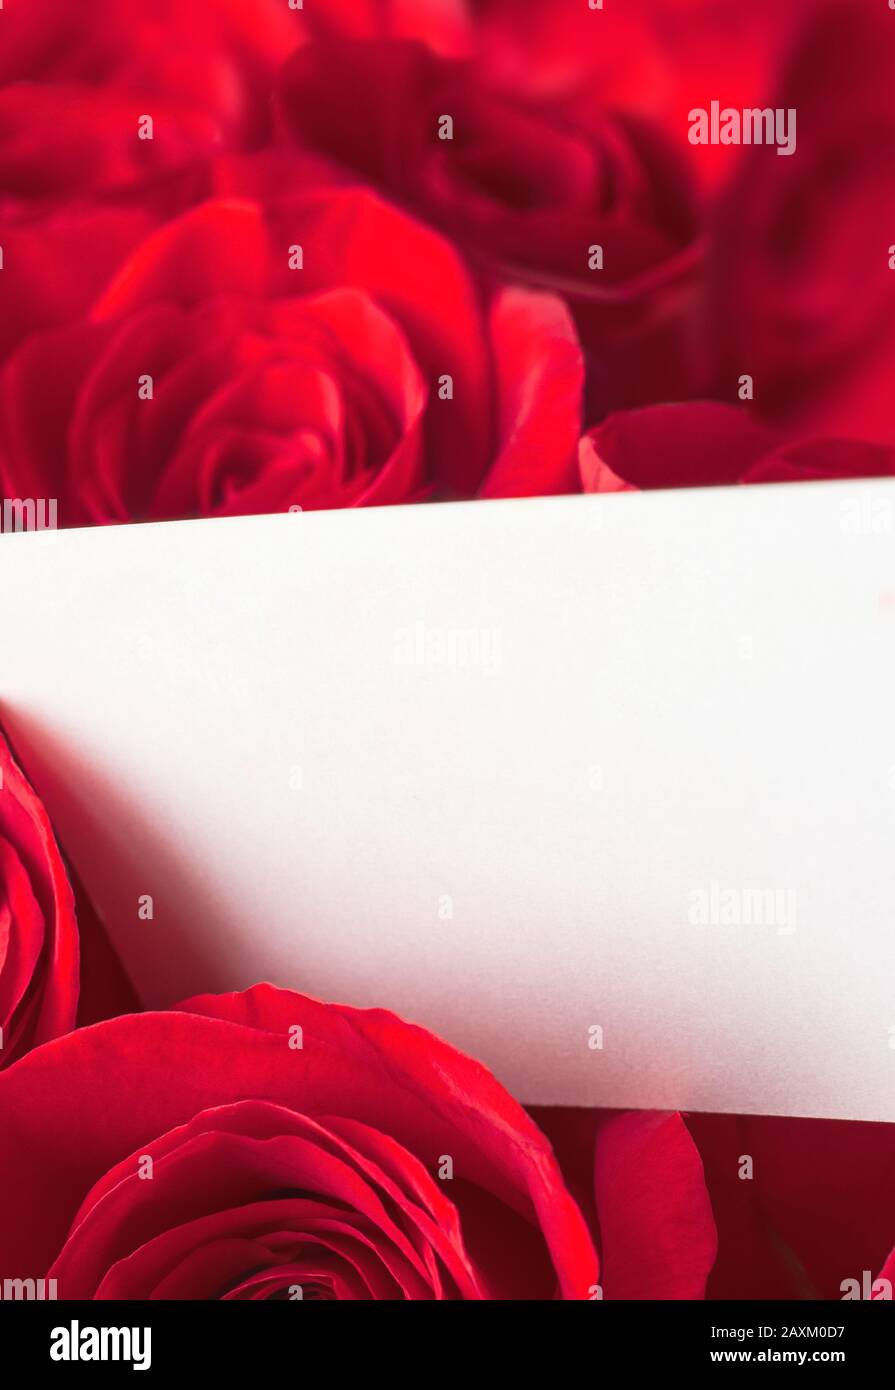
(600, 789)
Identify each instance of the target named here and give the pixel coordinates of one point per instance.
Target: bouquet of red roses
(340, 253)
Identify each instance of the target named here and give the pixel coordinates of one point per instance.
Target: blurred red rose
(702, 443)
(78, 185)
(360, 1157)
(655, 59)
(62, 141)
(73, 85)
(38, 931)
(445, 25)
(330, 353)
(801, 286)
(56, 264)
(587, 203)
(123, 39)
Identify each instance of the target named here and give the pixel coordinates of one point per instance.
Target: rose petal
(540, 380)
(658, 1235)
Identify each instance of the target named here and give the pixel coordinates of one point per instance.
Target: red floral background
(242, 272)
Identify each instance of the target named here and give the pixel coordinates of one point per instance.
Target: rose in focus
(293, 1145)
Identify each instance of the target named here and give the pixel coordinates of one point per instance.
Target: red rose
(215, 1152)
(801, 286)
(38, 931)
(701, 444)
(581, 201)
(330, 353)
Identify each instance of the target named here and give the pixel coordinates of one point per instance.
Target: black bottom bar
(255, 1339)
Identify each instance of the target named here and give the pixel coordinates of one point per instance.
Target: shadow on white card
(601, 789)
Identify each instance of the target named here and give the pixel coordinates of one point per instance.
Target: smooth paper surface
(601, 789)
